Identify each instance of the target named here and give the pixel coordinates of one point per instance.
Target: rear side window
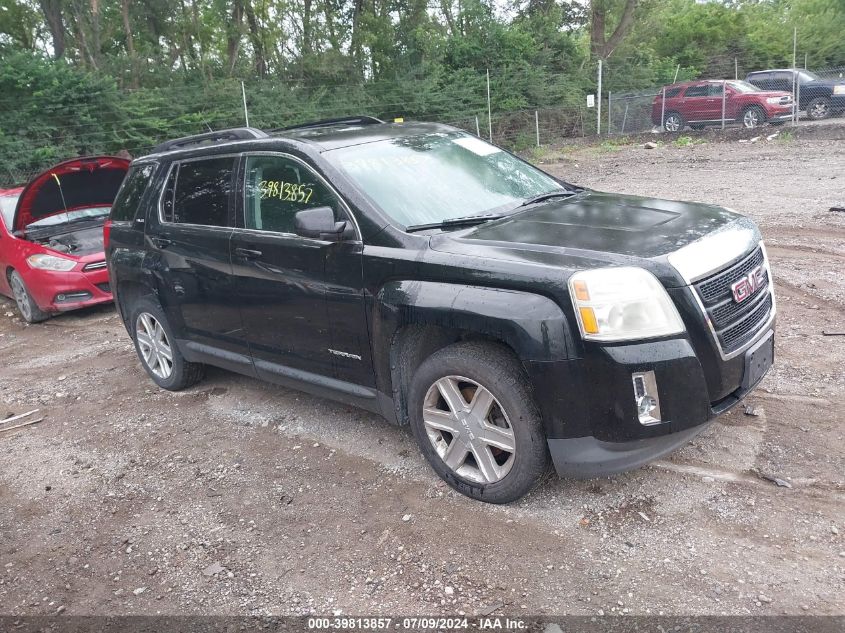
(696, 91)
(128, 199)
(201, 192)
(781, 81)
(715, 90)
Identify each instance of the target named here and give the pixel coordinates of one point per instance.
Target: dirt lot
(237, 497)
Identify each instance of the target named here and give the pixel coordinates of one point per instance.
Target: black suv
(423, 274)
(819, 97)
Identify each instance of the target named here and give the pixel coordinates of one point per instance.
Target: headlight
(839, 90)
(49, 262)
(621, 304)
(773, 99)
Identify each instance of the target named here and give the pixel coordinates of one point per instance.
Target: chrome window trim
(763, 329)
(170, 168)
(311, 169)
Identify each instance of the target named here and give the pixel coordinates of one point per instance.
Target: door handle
(248, 253)
(161, 242)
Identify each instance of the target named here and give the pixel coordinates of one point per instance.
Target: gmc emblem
(748, 285)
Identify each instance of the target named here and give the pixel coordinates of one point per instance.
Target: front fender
(532, 325)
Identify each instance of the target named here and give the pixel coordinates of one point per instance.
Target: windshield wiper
(469, 220)
(562, 193)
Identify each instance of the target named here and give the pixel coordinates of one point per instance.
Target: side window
(696, 91)
(201, 192)
(781, 81)
(277, 188)
(673, 92)
(715, 90)
(125, 205)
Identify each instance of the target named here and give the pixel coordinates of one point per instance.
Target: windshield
(806, 75)
(7, 209)
(71, 216)
(434, 177)
(743, 86)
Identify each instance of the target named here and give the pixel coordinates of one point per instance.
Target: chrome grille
(718, 286)
(735, 324)
(94, 266)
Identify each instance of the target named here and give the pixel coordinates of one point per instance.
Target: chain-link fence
(619, 97)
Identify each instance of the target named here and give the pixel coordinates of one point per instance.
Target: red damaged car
(51, 237)
(702, 103)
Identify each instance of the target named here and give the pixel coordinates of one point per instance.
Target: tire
(29, 310)
(154, 342)
(753, 117)
(819, 108)
(477, 468)
(673, 122)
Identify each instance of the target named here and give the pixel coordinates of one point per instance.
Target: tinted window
(167, 194)
(129, 197)
(780, 81)
(201, 194)
(696, 91)
(277, 188)
(715, 90)
(673, 92)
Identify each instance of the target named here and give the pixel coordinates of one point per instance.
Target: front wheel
(29, 310)
(473, 415)
(157, 350)
(753, 117)
(673, 122)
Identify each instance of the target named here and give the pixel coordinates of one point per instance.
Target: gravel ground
(237, 497)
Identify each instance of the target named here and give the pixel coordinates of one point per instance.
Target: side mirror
(319, 223)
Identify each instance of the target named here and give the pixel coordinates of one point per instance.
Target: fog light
(645, 397)
(69, 297)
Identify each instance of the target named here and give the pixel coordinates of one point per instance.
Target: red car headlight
(50, 262)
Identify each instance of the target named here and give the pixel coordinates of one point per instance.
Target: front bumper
(55, 291)
(593, 429)
(585, 457)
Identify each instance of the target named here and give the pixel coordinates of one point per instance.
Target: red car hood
(74, 184)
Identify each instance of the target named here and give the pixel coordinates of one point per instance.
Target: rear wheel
(157, 350)
(673, 122)
(819, 108)
(753, 117)
(473, 415)
(29, 310)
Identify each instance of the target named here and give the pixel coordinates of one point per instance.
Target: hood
(590, 229)
(74, 184)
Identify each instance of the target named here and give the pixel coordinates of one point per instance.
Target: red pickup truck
(701, 103)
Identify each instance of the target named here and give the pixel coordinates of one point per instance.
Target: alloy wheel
(154, 345)
(819, 110)
(469, 429)
(672, 123)
(751, 119)
(21, 297)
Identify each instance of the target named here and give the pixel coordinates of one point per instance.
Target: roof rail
(232, 134)
(349, 120)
